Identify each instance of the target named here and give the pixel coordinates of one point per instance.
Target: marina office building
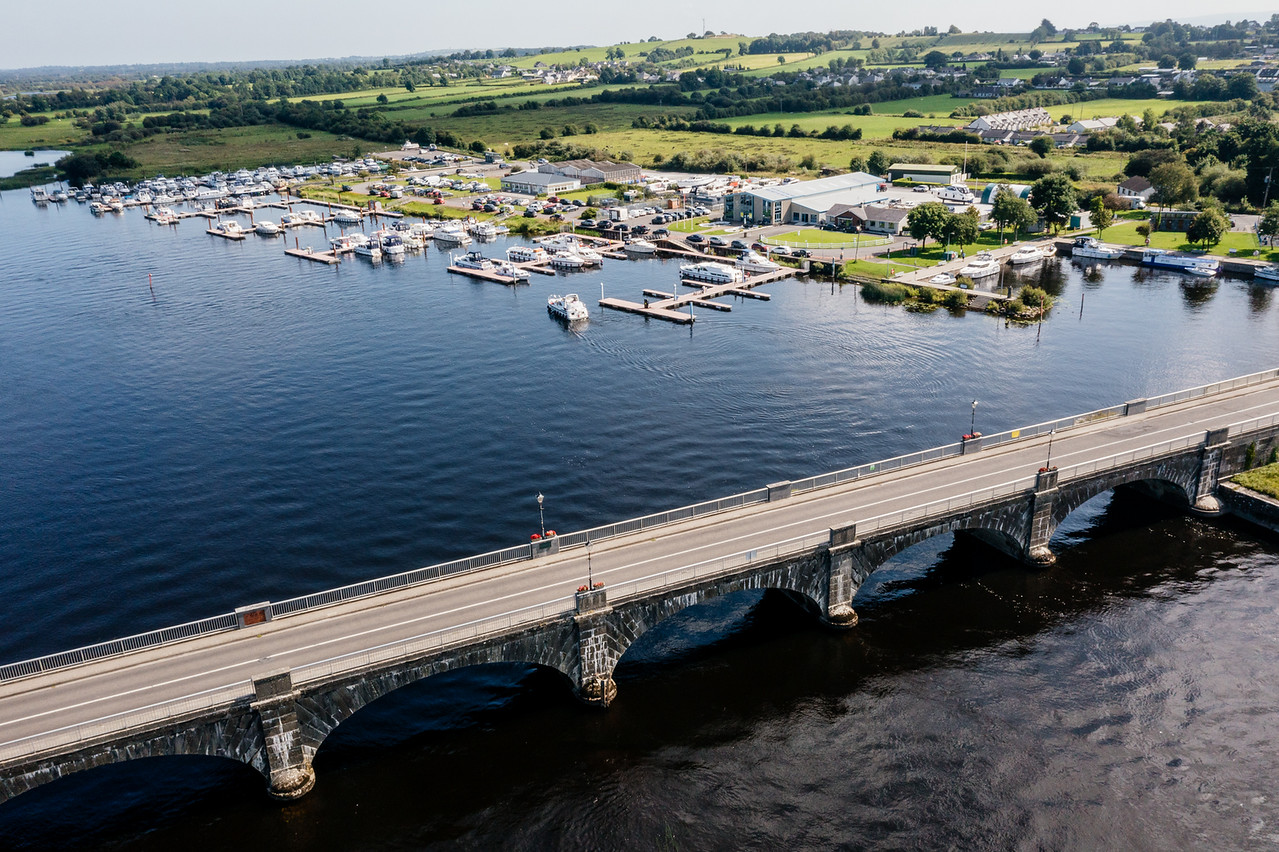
(805, 202)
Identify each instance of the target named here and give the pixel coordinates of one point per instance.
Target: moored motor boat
(1194, 264)
(943, 278)
(639, 246)
(753, 261)
(1026, 254)
(472, 260)
(712, 273)
(567, 260)
(510, 270)
(525, 254)
(982, 265)
(266, 228)
(1095, 248)
(1267, 273)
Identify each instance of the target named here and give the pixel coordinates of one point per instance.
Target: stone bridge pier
(288, 764)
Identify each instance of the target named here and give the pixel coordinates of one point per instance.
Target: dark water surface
(253, 427)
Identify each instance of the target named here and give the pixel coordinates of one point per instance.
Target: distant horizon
(145, 32)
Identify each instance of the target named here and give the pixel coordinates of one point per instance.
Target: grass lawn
(817, 238)
(1262, 479)
(700, 226)
(1125, 233)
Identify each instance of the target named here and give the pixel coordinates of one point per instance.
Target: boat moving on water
(569, 307)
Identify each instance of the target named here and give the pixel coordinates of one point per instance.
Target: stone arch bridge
(278, 704)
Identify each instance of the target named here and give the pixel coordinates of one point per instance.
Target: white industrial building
(539, 183)
(804, 202)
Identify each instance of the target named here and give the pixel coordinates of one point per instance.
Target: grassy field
(200, 151)
(57, 133)
(872, 126)
(1242, 243)
(819, 239)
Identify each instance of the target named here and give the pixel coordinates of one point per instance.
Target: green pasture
(872, 126)
(57, 133)
(1243, 244)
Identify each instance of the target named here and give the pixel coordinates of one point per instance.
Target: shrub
(886, 292)
(955, 300)
(927, 296)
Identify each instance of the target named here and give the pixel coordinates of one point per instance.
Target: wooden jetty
(668, 307)
(329, 257)
(215, 232)
(486, 275)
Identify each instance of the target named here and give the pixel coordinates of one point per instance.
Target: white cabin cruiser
(753, 261)
(569, 308)
(981, 266)
(712, 273)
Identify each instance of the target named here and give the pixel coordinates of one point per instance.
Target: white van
(956, 194)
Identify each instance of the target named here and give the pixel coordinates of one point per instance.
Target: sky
(126, 32)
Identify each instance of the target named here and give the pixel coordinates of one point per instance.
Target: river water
(12, 162)
(190, 424)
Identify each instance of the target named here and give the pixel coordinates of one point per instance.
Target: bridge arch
(550, 645)
(608, 635)
(1179, 485)
(234, 736)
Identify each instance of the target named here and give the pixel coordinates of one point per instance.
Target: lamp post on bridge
(972, 425)
(590, 578)
(540, 517)
(1048, 465)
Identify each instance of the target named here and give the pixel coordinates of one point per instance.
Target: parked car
(661, 232)
(640, 230)
(587, 223)
(659, 220)
(530, 213)
(696, 238)
(740, 244)
(577, 202)
(718, 241)
(781, 250)
(920, 188)
(622, 226)
(800, 253)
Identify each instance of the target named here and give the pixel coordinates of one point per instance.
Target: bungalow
(1092, 125)
(885, 220)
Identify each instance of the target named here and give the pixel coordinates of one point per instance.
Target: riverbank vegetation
(1264, 480)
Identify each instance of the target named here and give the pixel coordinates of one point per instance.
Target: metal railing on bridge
(561, 607)
(228, 621)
